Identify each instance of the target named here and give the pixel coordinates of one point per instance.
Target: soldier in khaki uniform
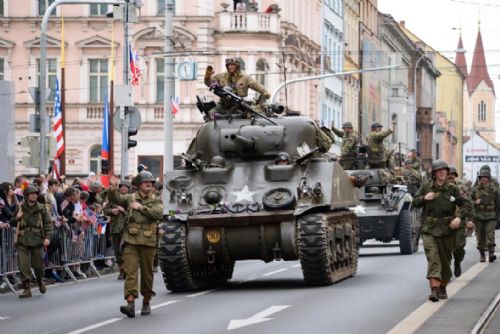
(117, 214)
(348, 151)
(486, 199)
(461, 233)
(34, 228)
(416, 163)
(236, 79)
(439, 200)
(144, 211)
(377, 155)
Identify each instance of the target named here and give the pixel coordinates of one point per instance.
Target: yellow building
(351, 61)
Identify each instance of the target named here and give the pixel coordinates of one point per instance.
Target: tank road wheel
(174, 258)
(328, 246)
(408, 232)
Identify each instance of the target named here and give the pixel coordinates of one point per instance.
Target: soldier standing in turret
(377, 155)
(144, 212)
(348, 152)
(34, 228)
(461, 233)
(486, 199)
(439, 200)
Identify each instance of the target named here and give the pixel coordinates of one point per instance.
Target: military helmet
(347, 125)
(407, 161)
(218, 161)
(282, 156)
(96, 184)
(235, 61)
(30, 189)
(439, 164)
(485, 167)
(484, 172)
(376, 125)
(144, 176)
(453, 170)
(125, 183)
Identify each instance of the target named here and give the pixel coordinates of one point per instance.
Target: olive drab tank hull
(385, 213)
(231, 202)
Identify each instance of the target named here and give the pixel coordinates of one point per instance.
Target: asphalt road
(261, 298)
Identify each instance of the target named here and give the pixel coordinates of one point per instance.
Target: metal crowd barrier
(70, 247)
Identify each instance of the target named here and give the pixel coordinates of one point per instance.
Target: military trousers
(460, 239)
(116, 239)
(135, 258)
(438, 251)
(485, 233)
(30, 257)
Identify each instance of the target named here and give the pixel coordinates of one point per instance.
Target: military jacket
(117, 222)
(239, 82)
(411, 175)
(349, 143)
(415, 163)
(490, 201)
(438, 213)
(140, 225)
(34, 226)
(375, 146)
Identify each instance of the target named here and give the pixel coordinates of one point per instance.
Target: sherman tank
(231, 201)
(385, 213)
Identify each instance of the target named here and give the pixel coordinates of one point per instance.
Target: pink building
(286, 37)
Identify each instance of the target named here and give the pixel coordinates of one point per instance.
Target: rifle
(237, 101)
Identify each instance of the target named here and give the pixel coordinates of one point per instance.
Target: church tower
(479, 103)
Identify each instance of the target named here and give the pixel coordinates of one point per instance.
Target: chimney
(402, 23)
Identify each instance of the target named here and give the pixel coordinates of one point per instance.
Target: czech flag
(105, 131)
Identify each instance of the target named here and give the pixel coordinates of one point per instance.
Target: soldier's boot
(146, 306)
(121, 275)
(482, 257)
(129, 309)
(442, 291)
(27, 290)
(41, 286)
(434, 283)
(458, 268)
(491, 252)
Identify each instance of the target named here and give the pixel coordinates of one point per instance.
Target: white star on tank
(244, 195)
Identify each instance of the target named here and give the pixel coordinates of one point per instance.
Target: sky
(437, 23)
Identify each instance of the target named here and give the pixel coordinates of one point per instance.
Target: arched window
(481, 112)
(95, 159)
(260, 71)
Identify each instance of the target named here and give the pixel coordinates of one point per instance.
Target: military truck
(232, 202)
(385, 213)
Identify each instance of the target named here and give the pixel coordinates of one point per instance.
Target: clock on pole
(186, 70)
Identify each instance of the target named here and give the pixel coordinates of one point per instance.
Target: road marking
(418, 317)
(274, 272)
(257, 318)
(295, 265)
(200, 293)
(4, 318)
(112, 320)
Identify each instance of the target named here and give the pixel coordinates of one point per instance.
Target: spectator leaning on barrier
(34, 229)
(145, 210)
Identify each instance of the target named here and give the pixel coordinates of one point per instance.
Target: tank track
(178, 275)
(328, 246)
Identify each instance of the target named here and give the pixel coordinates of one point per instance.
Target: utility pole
(168, 92)
(126, 118)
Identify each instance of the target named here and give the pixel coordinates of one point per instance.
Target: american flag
(58, 130)
(90, 216)
(134, 67)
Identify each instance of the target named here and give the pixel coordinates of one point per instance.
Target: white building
(478, 151)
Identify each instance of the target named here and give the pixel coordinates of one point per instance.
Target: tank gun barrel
(245, 142)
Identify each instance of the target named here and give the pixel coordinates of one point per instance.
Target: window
(394, 120)
(481, 112)
(43, 5)
(98, 79)
(160, 77)
(2, 13)
(98, 10)
(2, 73)
(242, 63)
(437, 151)
(154, 164)
(161, 7)
(95, 159)
(260, 71)
(51, 76)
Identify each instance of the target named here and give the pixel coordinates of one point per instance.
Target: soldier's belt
(435, 220)
(486, 207)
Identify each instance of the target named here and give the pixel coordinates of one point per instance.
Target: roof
(467, 138)
(479, 70)
(460, 58)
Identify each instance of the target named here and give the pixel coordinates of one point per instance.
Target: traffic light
(131, 142)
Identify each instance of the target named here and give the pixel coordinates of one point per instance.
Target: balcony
(249, 22)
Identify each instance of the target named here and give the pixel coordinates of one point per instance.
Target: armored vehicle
(233, 201)
(385, 213)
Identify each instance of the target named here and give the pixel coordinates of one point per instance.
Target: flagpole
(111, 162)
(62, 158)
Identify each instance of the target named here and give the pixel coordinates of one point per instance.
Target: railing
(248, 22)
(95, 112)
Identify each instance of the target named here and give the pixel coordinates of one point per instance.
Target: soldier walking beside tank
(34, 228)
(439, 200)
(486, 199)
(461, 233)
(117, 214)
(377, 155)
(144, 211)
(348, 151)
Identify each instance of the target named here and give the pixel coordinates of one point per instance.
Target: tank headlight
(212, 197)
